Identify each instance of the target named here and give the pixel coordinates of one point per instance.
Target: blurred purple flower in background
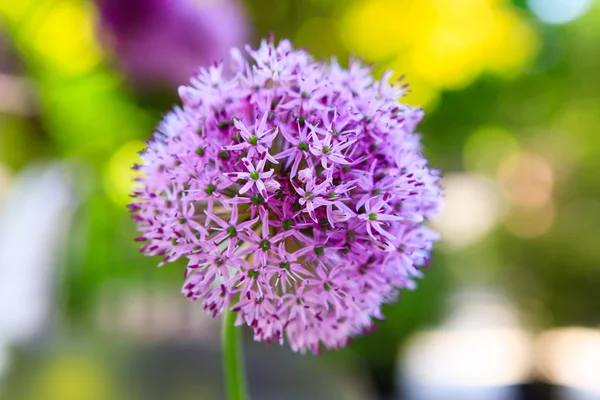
(163, 42)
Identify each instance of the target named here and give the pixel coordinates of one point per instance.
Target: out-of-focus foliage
(512, 108)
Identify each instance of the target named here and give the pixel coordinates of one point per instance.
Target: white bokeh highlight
(473, 206)
(559, 11)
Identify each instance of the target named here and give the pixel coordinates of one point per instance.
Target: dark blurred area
(509, 308)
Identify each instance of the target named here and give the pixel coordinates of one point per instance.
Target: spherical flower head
(297, 192)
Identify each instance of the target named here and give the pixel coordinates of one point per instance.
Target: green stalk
(233, 360)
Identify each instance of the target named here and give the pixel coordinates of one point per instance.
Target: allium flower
(297, 192)
(164, 41)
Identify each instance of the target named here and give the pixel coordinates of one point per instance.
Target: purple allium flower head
(164, 41)
(295, 189)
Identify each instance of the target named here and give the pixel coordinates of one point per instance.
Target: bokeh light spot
(486, 148)
(530, 223)
(472, 207)
(446, 44)
(571, 357)
(119, 177)
(559, 11)
(65, 37)
(481, 345)
(527, 179)
(71, 377)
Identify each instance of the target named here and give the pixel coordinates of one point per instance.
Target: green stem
(233, 360)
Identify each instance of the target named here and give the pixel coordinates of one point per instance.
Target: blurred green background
(511, 91)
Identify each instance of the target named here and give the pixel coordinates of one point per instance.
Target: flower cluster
(295, 189)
